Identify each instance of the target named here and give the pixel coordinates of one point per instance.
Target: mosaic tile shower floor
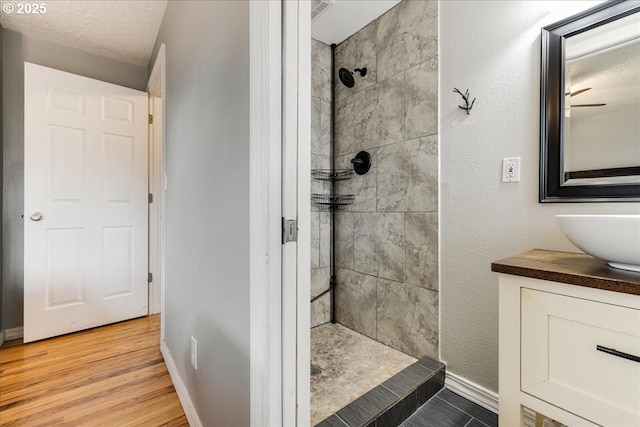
(349, 365)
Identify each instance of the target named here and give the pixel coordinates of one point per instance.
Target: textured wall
(207, 203)
(320, 159)
(492, 48)
(387, 253)
(16, 50)
(1, 179)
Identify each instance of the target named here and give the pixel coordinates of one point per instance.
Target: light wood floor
(110, 376)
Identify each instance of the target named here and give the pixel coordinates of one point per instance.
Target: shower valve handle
(361, 162)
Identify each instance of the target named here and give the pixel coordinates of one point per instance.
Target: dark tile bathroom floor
(447, 409)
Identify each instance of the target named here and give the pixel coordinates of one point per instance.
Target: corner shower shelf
(332, 202)
(332, 175)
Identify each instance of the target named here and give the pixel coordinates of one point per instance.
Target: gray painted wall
(16, 50)
(207, 203)
(387, 241)
(493, 49)
(1, 179)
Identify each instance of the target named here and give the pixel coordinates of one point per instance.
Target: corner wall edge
(181, 389)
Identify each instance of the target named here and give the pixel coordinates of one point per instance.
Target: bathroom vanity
(569, 340)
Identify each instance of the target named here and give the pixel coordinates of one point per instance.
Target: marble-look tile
(379, 244)
(344, 239)
(319, 281)
(320, 70)
(321, 311)
(408, 176)
(407, 35)
(325, 240)
(421, 99)
(319, 187)
(408, 318)
(315, 125)
(358, 51)
(363, 187)
(325, 128)
(351, 364)
(344, 126)
(356, 301)
(421, 235)
(379, 114)
(315, 240)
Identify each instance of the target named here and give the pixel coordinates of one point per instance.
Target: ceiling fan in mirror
(578, 92)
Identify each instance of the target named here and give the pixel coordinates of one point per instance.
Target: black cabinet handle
(617, 353)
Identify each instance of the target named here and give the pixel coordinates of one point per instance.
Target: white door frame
(264, 212)
(296, 203)
(279, 152)
(157, 184)
(303, 165)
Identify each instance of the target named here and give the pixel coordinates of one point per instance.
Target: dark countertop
(571, 268)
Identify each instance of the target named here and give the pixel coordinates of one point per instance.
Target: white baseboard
(181, 389)
(13, 333)
(482, 396)
(472, 391)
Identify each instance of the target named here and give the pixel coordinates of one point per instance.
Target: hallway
(107, 376)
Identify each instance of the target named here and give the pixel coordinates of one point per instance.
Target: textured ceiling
(124, 30)
(613, 75)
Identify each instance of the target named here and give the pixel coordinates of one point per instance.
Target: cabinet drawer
(562, 365)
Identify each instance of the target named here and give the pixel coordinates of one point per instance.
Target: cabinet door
(561, 362)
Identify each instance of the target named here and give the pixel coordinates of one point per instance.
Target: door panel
(64, 284)
(66, 163)
(117, 261)
(86, 172)
(119, 168)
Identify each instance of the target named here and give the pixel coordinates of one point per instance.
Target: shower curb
(393, 401)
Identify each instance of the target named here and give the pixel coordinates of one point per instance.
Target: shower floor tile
(350, 365)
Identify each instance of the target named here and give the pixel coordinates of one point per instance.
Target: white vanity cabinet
(568, 348)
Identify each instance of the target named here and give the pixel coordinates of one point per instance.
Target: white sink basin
(613, 238)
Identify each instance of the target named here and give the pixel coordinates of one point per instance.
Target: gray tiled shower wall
(386, 248)
(320, 152)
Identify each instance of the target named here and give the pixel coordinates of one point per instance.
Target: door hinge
(150, 277)
(150, 198)
(150, 119)
(289, 230)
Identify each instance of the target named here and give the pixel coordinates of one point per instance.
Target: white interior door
(86, 224)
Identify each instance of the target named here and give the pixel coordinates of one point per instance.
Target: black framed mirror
(590, 106)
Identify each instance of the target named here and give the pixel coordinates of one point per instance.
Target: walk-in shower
(374, 207)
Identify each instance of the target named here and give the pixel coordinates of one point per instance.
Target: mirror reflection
(602, 104)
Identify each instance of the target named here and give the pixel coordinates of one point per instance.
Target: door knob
(36, 216)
